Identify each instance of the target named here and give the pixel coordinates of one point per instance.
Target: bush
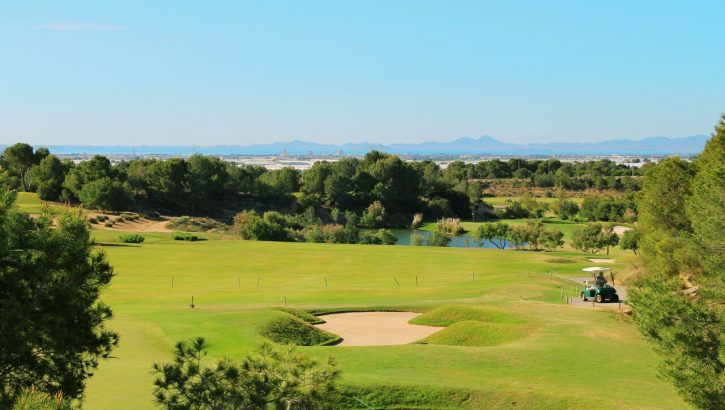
(270, 227)
(374, 216)
(438, 239)
(195, 224)
(417, 221)
(290, 329)
(108, 224)
(131, 238)
(183, 236)
(381, 237)
(417, 239)
(450, 226)
(92, 220)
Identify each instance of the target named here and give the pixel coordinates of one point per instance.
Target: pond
(460, 241)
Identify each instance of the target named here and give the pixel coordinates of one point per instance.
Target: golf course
(510, 339)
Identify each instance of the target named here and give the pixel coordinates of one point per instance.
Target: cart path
(621, 291)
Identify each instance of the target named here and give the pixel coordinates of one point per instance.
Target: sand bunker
(376, 328)
(594, 260)
(620, 230)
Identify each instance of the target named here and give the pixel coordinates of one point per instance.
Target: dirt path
(376, 328)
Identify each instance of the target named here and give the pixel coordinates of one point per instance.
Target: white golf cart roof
(596, 269)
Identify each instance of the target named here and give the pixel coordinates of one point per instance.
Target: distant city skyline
(259, 72)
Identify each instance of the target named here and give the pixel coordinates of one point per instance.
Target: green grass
(239, 287)
(476, 333)
(304, 315)
(447, 315)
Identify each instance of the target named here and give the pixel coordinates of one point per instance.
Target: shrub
(118, 219)
(131, 238)
(381, 237)
(270, 227)
(92, 220)
(416, 239)
(417, 220)
(450, 226)
(373, 216)
(108, 224)
(183, 236)
(314, 234)
(194, 224)
(438, 239)
(289, 329)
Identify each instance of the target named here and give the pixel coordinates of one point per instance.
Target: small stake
(239, 282)
(172, 281)
(473, 275)
(325, 281)
(285, 300)
(416, 280)
(192, 303)
(396, 282)
(258, 278)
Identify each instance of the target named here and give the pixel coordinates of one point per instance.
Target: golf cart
(598, 288)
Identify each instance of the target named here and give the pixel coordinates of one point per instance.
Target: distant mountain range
(462, 146)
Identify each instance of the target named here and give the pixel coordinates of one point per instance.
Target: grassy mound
(447, 315)
(195, 224)
(290, 329)
(475, 333)
(304, 315)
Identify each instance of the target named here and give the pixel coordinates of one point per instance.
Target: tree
(267, 378)
(48, 177)
(52, 325)
(566, 209)
(609, 238)
(588, 238)
(678, 305)
(497, 234)
(106, 194)
(551, 239)
(630, 240)
(18, 159)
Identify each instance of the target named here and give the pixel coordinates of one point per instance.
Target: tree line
(598, 174)
(205, 184)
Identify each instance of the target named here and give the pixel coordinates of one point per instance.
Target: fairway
(555, 356)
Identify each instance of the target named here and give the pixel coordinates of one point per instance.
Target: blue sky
(240, 72)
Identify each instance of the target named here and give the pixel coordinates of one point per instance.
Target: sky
(244, 72)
